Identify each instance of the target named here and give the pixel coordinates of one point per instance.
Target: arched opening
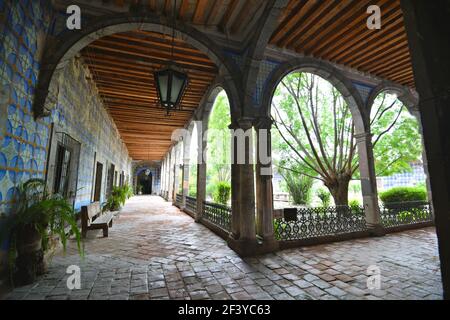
(193, 160)
(218, 153)
(398, 155)
(313, 142)
(145, 182)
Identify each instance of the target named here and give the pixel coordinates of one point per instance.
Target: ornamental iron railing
(179, 199)
(405, 213)
(191, 204)
(304, 223)
(217, 214)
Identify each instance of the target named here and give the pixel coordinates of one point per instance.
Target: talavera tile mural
(77, 111)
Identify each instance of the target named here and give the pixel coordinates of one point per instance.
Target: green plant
(222, 193)
(37, 216)
(117, 199)
(119, 196)
(192, 190)
(354, 204)
(299, 187)
(128, 191)
(403, 194)
(324, 197)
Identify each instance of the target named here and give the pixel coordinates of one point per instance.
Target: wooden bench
(93, 219)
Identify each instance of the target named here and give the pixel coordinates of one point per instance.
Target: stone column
(425, 161)
(201, 168)
(428, 32)
(235, 187)
(246, 243)
(170, 171)
(162, 177)
(369, 183)
(176, 168)
(185, 180)
(264, 188)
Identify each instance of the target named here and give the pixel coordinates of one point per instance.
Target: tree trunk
(339, 189)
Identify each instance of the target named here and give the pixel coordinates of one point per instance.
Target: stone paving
(154, 251)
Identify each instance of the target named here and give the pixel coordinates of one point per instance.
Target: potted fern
(36, 218)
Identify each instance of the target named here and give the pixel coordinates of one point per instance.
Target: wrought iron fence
(179, 199)
(191, 204)
(217, 214)
(303, 223)
(406, 213)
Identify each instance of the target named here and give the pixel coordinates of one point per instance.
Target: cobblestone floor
(154, 251)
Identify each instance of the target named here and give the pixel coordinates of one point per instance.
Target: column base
(252, 247)
(376, 230)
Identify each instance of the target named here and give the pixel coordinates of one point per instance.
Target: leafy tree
(219, 148)
(401, 145)
(222, 193)
(316, 133)
(299, 186)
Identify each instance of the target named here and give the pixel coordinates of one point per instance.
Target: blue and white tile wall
(24, 142)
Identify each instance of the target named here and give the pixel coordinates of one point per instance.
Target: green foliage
(324, 196)
(193, 181)
(299, 187)
(118, 197)
(315, 132)
(354, 204)
(35, 209)
(396, 136)
(128, 191)
(219, 148)
(222, 193)
(403, 194)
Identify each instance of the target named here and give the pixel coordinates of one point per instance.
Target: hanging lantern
(170, 85)
(171, 81)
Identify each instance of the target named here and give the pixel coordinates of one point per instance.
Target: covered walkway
(155, 251)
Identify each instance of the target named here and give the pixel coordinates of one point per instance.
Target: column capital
(264, 123)
(244, 123)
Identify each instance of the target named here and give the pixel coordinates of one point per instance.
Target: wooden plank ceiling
(233, 19)
(122, 66)
(335, 30)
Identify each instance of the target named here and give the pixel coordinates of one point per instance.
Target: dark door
(145, 182)
(110, 180)
(98, 182)
(61, 182)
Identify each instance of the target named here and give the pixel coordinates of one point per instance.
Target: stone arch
(404, 94)
(411, 101)
(141, 166)
(65, 47)
(269, 21)
(327, 72)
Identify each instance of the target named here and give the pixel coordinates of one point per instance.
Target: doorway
(98, 182)
(145, 181)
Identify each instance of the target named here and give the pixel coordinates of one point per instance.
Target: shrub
(403, 194)
(324, 196)
(354, 204)
(118, 197)
(222, 193)
(299, 187)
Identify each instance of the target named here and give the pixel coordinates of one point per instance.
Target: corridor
(155, 251)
